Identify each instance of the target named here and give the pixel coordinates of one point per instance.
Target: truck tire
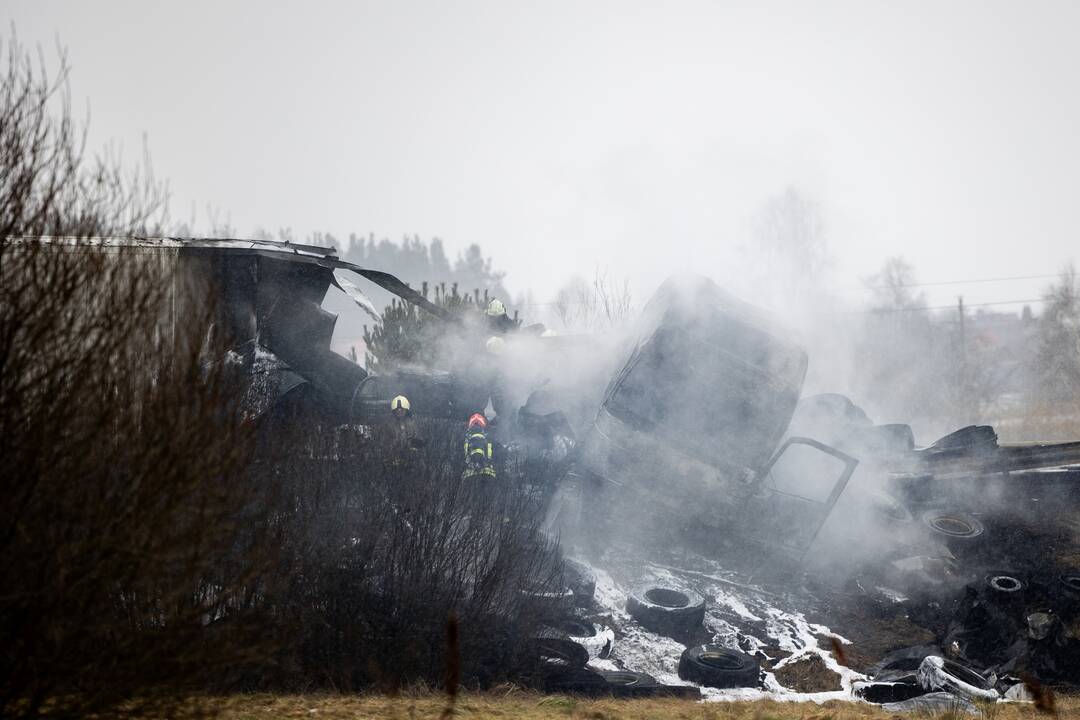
(1005, 584)
(719, 667)
(666, 611)
(558, 654)
(959, 531)
(597, 640)
(619, 683)
(576, 627)
(553, 601)
(626, 682)
(581, 581)
(1066, 589)
(578, 681)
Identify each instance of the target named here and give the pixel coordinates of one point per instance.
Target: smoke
(672, 444)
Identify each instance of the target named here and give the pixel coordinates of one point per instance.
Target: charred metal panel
(293, 326)
(222, 284)
(239, 279)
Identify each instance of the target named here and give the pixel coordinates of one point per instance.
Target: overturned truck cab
(688, 431)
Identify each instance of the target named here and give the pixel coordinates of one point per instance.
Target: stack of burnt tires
(1006, 621)
(564, 652)
(679, 614)
(1009, 617)
(565, 647)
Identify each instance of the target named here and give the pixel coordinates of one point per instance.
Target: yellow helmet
(495, 345)
(400, 403)
(495, 308)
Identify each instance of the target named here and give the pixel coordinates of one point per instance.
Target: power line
(938, 283)
(958, 282)
(953, 307)
(918, 308)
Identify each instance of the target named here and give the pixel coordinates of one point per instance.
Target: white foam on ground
(734, 617)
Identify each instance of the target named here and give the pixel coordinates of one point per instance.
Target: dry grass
(514, 703)
(1039, 422)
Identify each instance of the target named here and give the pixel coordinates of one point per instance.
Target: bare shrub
(791, 250)
(122, 448)
(575, 306)
(1049, 407)
(386, 542)
(123, 535)
(936, 375)
(601, 305)
(1057, 362)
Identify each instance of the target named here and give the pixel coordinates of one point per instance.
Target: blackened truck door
(796, 492)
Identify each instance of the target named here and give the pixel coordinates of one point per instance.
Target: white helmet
(495, 345)
(495, 308)
(400, 403)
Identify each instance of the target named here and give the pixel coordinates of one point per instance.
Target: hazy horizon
(635, 139)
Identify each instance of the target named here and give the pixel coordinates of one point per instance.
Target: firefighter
(499, 387)
(404, 425)
(479, 450)
(400, 408)
(497, 318)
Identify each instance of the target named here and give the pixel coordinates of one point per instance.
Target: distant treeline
(414, 261)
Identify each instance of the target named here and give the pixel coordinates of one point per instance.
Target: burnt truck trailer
(266, 298)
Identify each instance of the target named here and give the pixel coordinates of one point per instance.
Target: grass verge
(514, 703)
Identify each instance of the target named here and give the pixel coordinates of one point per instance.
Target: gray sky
(636, 137)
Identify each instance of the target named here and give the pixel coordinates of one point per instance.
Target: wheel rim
(719, 660)
(621, 678)
(1005, 583)
(952, 525)
(667, 598)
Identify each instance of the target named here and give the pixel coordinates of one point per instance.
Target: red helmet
(477, 419)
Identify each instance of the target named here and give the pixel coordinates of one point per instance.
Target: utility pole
(964, 397)
(963, 342)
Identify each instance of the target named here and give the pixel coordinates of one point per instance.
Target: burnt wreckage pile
(1001, 594)
(981, 558)
(696, 427)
